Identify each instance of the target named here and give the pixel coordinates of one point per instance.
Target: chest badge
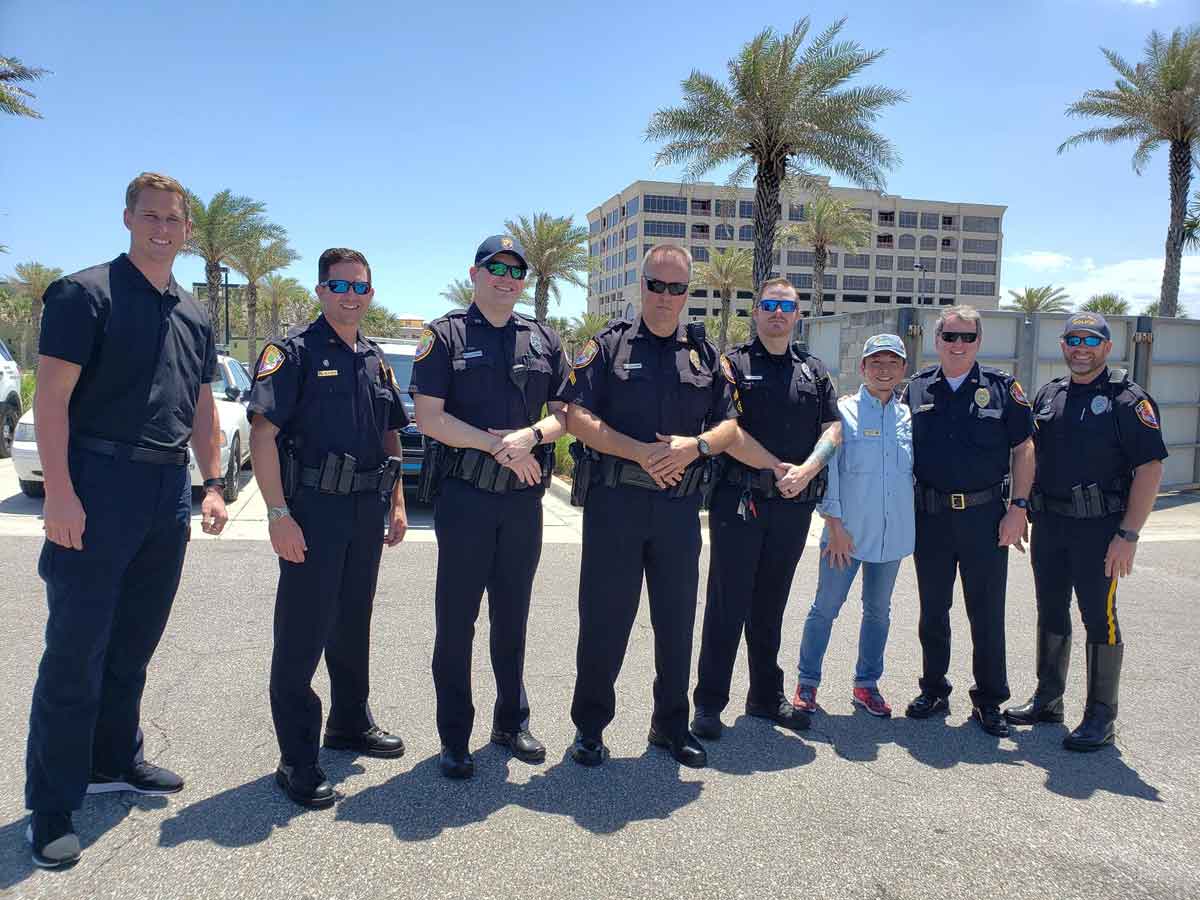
(1099, 405)
(694, 359)
(535, 343)
(983, 397)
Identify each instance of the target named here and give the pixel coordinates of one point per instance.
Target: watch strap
(214, 482)
(1126, 534)
(537, 433)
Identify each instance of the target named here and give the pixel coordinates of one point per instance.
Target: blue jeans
(833, 586)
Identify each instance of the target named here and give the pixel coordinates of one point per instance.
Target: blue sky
(413, 133)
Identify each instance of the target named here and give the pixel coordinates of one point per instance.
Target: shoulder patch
(1145, 414)
(585, 354)
(1018, 394)
(424, 346)
(271, 361)
(727, 368)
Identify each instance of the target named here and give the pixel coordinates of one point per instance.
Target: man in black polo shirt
(125, 360)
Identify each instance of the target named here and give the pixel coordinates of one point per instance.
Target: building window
(699, 231)
(664, 229)
(855, 282)
(630, 276)
(904, 284)
(978, 288)
(926, 286)
(745, 295)
(854, 298)
(594, 250)
(905, 263)
(857, 261)
(907, 242)
(800, 258)
(884, 241)
(883, 282)
(908, 220)
(701, 207)
(700, 292)
(698, 311)
(775, 258)
(948, 223)
(725, 208)
(928, 242)
(883, 262)
(742, 312)
(630, 254)
(946, 285)
(830, 282)
(631, 207)
(700, 254)
(985, 224)
(594, 227)
(658, 203)
(646, 248)
(746, 233)
(929, 263)
(800, 280)
(831, 262)
(879, 299)
(948, 244)
(887, 218)
(979, 267)
(724, 232)
(930, 221)
(948, 264)
(746, 209)
(976, 245)
(904, 299)
(795, 212)
(631, 231)
(945, 301)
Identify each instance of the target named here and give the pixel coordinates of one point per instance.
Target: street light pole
(919, 267)
(225, 275)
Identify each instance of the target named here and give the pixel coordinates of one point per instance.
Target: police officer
(1099, 464)
(325, 415)
(758, 520)
(968, 422)
(641, 394)
(125, 361)
(481, 378)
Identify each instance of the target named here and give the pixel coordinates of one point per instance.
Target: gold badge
(983, 397)
(694, 357)
(270, 362)
(506, 243)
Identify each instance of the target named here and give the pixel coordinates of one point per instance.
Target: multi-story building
(921, 251)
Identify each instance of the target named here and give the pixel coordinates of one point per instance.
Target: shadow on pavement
(750, 745)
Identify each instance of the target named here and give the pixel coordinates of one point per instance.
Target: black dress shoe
(990, 720)
(707, 725)
(686, 750)
(926, 705)
(305, 785)
(588, 752)
(372, 742)
(456, 763)
(53, 840)
(524, 746)
(781, 713)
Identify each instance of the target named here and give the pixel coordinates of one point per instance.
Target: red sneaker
(806, 698)
(872, 701)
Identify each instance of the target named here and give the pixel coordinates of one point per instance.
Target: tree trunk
(767, 182)
(1181, 177)
(724, 320)
(820, 254)
(251, 321)
(275, 335)
(541, 299)
(35, 330)
(212, 274)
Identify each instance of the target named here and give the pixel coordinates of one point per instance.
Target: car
(231, 390)
(10, 399)
(399, 355)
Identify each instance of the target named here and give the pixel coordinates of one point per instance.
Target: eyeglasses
(341, 285)
(967, 337)
(500, 269)
(771, 304)
(674, 288)
(1091, 340)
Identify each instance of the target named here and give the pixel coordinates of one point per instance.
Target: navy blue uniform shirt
(143, 354)
(328, 397)
(962, 440)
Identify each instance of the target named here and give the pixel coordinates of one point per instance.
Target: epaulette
(928, 370)
(523, 315)
(297, 330)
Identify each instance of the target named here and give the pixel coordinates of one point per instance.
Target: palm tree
(1191, 225)
(278, 291)
(587, 326)
(1152, 309)
(1107, 305)
(726, 274)
(460, 292)
(1154, 102)
(220, 229)
(256, 260)
(301, 306)
(31, 281)
(737, 329)
(1046, 298)
(12, 95)
(562, 327)
(556, 250)
(829, 222)
(783, 113)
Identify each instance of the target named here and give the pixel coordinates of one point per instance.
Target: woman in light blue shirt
(869, 524)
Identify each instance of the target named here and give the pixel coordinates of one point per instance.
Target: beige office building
(957, 244)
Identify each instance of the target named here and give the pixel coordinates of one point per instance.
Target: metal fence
(1162, 355)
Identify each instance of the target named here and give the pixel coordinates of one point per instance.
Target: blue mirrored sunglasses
(1091, 340)
(341, 285)
(771, 304)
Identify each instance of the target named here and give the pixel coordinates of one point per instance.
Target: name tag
(472, 354)
(870, 432)
(630, 366)
(754, 378)
(990, 413)
(925, 407)
(325, 373)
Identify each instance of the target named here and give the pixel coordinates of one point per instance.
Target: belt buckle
(958, 501)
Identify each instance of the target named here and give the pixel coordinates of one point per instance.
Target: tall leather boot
(1053, 661)
(1103, 682)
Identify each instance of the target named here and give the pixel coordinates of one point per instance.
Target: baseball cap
(878, 343)
(497, 244)
(1091, 322)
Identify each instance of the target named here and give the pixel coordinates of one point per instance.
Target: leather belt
(130, 452)
(762, 482)
(481, 470)
(310, 476)
(616, 471)
(933, 501)
(1086, 502)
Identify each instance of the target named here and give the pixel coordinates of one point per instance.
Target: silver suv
(10, 399)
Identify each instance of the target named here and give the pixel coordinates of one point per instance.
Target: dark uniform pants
(323, 605)
(749, 578)
(108, 606)
(1069, 553)
(963, 542)
(628, 531)
(493, 542)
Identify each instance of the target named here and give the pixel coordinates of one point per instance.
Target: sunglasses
(770, 305)
(341, 285)
(967, 337)
(674, 288)
(500, 269)
(1074, 340)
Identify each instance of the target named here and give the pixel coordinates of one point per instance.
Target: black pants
(1069, 553)
(750, 573)
(491, 541)
(963, 542)
(108, 606)
(628, 532)
(323, 605)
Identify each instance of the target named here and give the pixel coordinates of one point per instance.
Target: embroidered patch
(1018, 393)
(326, 373)
(271, 361)
(727, 368)
(424, 346)
(983, 397)
(1145, 412)
(585, 354)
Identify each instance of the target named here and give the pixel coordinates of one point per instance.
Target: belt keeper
(345, 481)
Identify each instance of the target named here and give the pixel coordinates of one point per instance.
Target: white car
(231, 389)
(10, 399)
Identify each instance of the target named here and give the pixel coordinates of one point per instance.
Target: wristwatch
(1127, 535)
(703, 446)
(537, 433)
(1020, 503)
(277, 512)
(214, 482)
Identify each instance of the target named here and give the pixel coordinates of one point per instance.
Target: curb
(560, 489)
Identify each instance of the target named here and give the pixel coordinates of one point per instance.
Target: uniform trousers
(628, 533)
(1069, 554)
(108, 605)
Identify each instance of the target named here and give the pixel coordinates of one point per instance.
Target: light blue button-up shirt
(870, 478)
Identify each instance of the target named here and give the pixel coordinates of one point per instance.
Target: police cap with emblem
(1090, 322)
(497, 244)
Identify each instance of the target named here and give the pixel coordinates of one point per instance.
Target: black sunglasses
(967, 337)
(771, 304)
(674, 288)
(500, 269)
(341, 285)
(1091, 340)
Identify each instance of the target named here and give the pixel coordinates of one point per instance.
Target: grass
(564, 465)
(28, 380)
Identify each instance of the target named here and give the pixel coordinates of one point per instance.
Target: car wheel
(232, 488)
(8, 427)
(32, 488)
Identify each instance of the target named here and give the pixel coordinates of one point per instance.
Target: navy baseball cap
(497, 244)
(1091, 322)
(878, 343)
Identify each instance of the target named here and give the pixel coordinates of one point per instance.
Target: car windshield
(402, 366)
(219, 385)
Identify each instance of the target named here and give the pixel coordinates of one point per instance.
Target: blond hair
(667, 250)
(776, 282)
(156, 182)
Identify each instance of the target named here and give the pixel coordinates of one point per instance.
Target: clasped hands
(512, 449)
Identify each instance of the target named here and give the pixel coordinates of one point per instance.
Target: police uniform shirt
(782, 400)
(328, 397)
(963, 439)
(477, 368)
(143, 354)
(1095, 433)
(639, 383)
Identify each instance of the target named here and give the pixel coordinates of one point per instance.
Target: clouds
(1041, 260)
(1137, 280)
(1150, 3)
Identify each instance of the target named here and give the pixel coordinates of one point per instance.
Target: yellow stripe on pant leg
(1112, 622)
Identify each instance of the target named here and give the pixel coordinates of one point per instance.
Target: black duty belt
(616, 471)
(481, 470)
(1087, 501)
(934, 501)
(130, 452)
(763, 483)
(356, 483)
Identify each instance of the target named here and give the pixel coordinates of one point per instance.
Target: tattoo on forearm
(823, 452)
